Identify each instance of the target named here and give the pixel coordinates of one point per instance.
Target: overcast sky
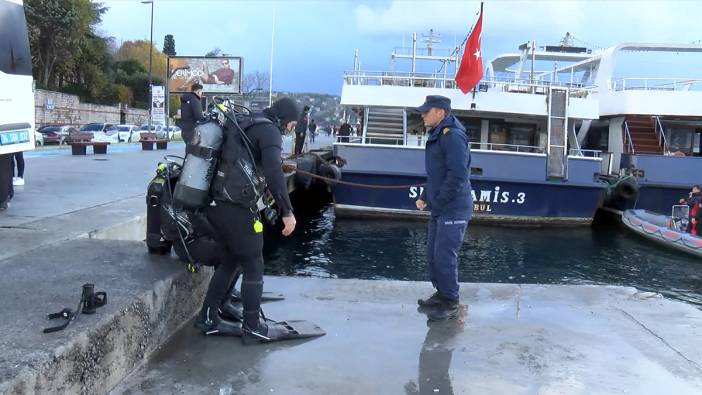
(315, 40)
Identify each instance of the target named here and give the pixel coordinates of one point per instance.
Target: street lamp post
(151, 47)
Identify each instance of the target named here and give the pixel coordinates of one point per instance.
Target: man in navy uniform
(448, 197)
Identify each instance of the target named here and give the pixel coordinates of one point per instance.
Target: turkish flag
(471, 69)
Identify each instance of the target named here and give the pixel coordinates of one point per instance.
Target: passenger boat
(650, 118)
(665, 230)
(526, 166)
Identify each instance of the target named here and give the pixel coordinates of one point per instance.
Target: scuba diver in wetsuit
(239, 229)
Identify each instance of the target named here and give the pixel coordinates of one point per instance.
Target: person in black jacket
(301, 131)
(345, 131)
(240, 231)
(190, 111)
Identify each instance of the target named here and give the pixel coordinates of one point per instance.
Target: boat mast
(414, 53)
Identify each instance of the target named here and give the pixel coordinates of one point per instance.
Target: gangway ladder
(384, 125)
(557, 148)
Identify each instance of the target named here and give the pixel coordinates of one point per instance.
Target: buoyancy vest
(237, 180)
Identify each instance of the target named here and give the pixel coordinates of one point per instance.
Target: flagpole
(460, 47)
(270, 76)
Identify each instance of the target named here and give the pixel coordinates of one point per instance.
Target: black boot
(446, 310)
(211, 324)
(434, 300)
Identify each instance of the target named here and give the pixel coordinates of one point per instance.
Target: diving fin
(283, 330)
(232, 311)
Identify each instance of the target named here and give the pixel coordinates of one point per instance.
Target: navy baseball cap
(435, 101)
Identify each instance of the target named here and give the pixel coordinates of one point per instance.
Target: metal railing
(409, 142)
(508, 147)
(627, 139)
(659, 84)
(437, 80)
(660, 132)
(586, 153)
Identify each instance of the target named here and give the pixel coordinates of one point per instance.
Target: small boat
(663, 229)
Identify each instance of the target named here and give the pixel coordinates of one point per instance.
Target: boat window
(472, 126)
(697, 149)
(506, 136)
(522, 134)
(680, 139)
(597, 138)
(498, 133)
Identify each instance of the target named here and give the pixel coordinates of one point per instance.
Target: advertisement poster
(217, 75)
(158, 101)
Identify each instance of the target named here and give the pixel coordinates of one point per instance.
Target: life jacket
(237, 180)
(695, 214)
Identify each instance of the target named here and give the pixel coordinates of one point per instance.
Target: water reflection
(435, 357)
(324, 246)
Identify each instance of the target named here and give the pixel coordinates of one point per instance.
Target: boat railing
(586, 153)
(660, 132)
(627, 139)
(420, 142)
(438, 80)
(657, 84)
(508, 147)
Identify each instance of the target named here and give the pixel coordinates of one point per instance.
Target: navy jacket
(448, 191)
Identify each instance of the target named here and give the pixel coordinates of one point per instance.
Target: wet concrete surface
(148, 297)
(510, 339)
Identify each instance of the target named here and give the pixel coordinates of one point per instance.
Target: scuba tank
(164, 179)
(202, 154)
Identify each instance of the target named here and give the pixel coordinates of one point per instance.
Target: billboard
(158, 100)
(217, 75)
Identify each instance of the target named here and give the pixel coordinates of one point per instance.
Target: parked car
(56, 133)
(127, 133)
(99, 131)
(158, 129)
(174, 132)
(38, 139)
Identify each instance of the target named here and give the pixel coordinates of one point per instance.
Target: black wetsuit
(235, 227)
(190, 113)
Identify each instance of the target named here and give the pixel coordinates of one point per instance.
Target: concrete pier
(510, 339)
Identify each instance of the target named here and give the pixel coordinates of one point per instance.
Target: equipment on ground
(88, 304)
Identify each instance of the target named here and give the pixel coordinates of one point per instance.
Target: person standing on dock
(313, 131)
(447, 195)
(190, 111)
(301, 131)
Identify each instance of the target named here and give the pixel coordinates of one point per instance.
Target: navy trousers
(444, 239)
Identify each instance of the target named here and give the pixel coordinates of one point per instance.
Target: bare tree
(254, 84)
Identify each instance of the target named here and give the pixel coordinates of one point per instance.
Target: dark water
(382, 249)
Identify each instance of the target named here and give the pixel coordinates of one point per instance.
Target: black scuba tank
(155, 242)
(193, 188)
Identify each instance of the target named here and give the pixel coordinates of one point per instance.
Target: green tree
(55, 29)
(169, 45)
(139, 50)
